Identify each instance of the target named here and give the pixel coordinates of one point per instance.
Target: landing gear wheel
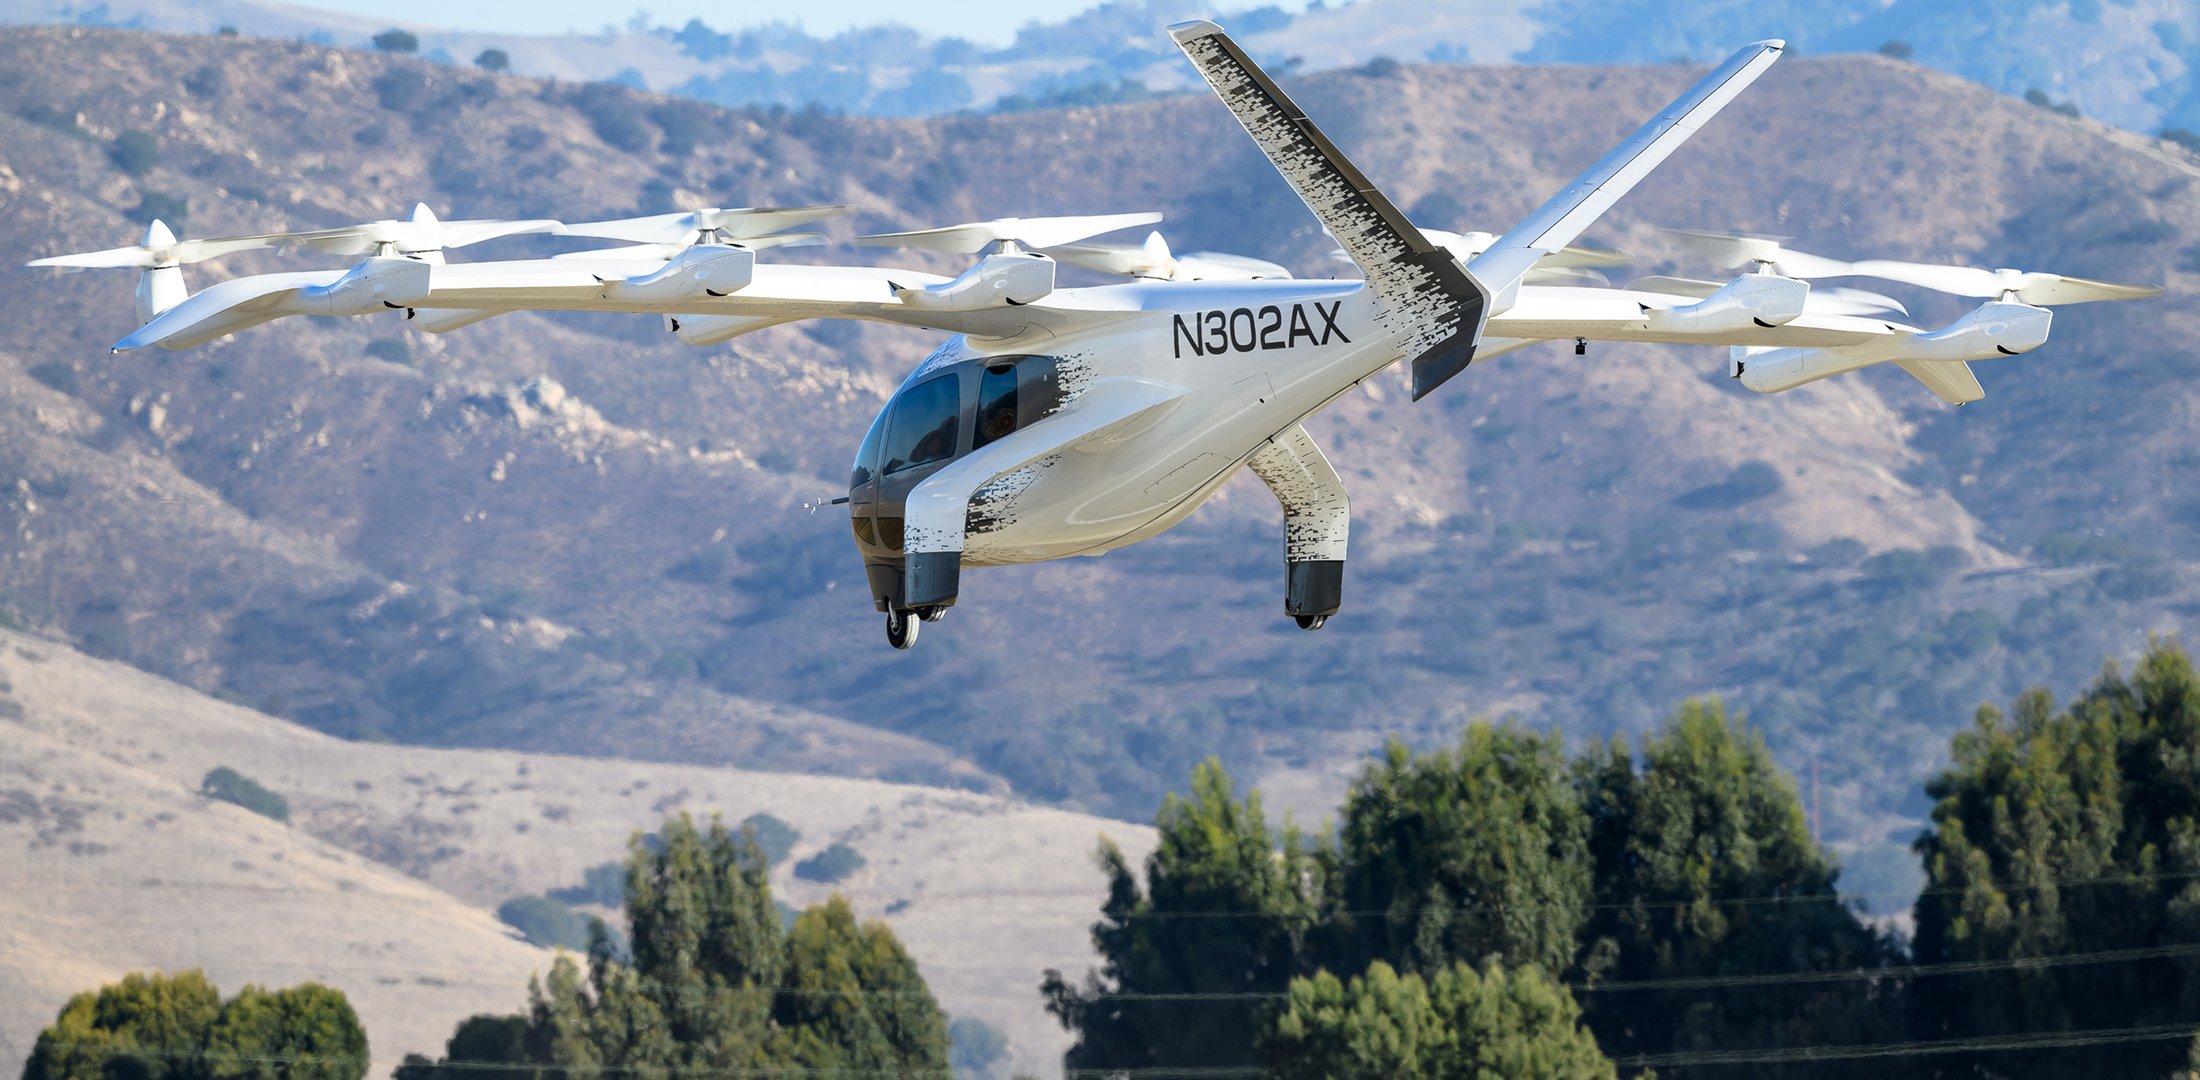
(1311, 622)
(932, 614)
(901, 630)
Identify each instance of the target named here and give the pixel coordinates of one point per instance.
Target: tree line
(1500, 908)
(1494, 908)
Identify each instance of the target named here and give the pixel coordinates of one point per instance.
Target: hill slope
(570, 534)
(124, 867)
(2130, 62)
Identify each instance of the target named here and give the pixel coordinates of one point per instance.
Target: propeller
(1733, 249)
(160, 249)
(1574, 264)
(1038, 234)
(2033, 287)
(1823, 300)
(1152, 259)
(420, 234)
(749, 226)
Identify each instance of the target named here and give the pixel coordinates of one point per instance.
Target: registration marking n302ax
(1248, 329)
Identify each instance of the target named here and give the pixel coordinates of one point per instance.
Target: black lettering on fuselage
(1224, 330)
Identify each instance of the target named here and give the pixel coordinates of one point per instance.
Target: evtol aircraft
(1074, 421)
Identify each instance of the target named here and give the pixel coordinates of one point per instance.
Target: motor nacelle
(1993, 330)
(1765, 300)
(1002, 278)
(376, 283)
(700, 271)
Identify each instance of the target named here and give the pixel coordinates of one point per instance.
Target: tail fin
(1560, 221)
(1428, 302)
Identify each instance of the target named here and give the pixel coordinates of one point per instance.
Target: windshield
(867, 456)
(921, 428)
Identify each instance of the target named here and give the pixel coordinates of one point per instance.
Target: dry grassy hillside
(612, 560)
(124, 867)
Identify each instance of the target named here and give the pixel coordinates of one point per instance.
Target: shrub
(1898, 50)
(775, 838)
(394, 40)
(160, 204)
(135, 152)
(617, 118)
(400, 89)
(830, 865)
(545, 922)
(493, 60)
(231, 786)
(977, 1049)
(603, 884)
(208, 81)
(55, 374)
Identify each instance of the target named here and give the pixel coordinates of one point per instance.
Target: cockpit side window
(996, 403)
(921, 429)
(867, 457)
(1015, 393)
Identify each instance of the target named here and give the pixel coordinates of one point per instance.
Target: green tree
(146, 1027)
(176, 1027)
(545, 922)
(1459, 1023)
(305, 1032)
(231, 786)
(714, 985)
(1226, 908)
(495, 60)
(1706, 821)
(394, 40)
(2069, 831)
(135, 152)
(1465, 854)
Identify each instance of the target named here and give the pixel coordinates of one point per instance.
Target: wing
(705, 280)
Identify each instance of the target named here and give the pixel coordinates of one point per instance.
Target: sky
(989, 21)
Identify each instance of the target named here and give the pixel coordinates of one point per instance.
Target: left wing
(704, 280)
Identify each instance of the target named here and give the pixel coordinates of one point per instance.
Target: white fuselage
(1249, 360)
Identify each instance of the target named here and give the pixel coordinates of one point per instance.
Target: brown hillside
(617, 563)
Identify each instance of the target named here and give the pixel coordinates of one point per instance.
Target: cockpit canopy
(948, 414)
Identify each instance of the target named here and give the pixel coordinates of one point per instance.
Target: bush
(493, 60)
(135, 152)
(603, 884)
(830, 865)
(775, 838)
(400, 89)
(208, 81)
(545, 922)
(231, 786)
(1898, 50)
(977, 1049)
(394, 40)
(160, 204)
(55, 374)
(615, 115)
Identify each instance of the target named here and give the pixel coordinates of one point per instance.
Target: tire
(901, 629)
(1311, 622)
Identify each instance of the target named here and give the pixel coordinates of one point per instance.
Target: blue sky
(990, 21)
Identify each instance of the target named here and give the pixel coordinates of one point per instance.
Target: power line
(1702, 982)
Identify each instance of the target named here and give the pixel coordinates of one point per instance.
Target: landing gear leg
(1317, 516)
(901, 627)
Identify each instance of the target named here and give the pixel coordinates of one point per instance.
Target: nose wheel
(1311, 622)
(901, 628)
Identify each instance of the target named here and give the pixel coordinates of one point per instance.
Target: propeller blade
(422, 232)
(2027, 286)
(1150, 259)
(1039, 233)
(736, 226)
(161, 248)
(1732, 249)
